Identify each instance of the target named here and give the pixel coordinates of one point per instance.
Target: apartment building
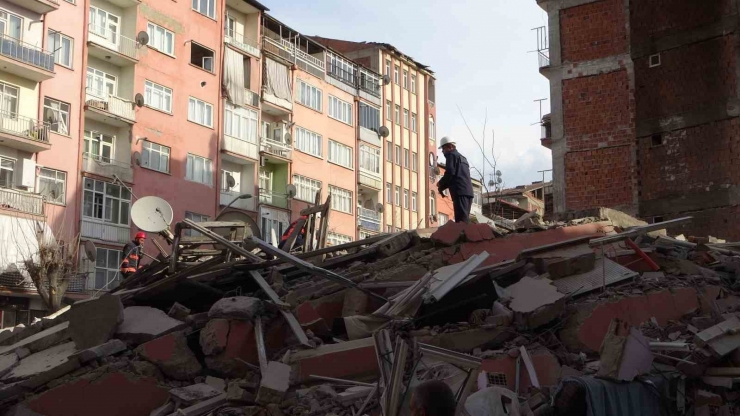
(644, 109)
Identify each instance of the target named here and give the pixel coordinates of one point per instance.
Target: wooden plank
(637, 231)
(231, 246)
(296, 327)
(312, 210)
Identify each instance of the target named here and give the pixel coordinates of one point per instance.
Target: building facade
(644, 109)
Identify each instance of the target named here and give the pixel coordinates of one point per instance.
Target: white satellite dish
(91, 251)
(152, 214)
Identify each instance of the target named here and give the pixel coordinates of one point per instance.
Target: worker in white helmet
(456, 179)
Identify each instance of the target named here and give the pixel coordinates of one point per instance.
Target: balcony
(106, 167)
(543, 46)
(24, 60)
(283, 48)
(109, 109)
(21, 201)
(275, 148)
(99, 230)
(370, 83)
(241, 42)
(368, 219)
(24, 133)
(228, 196)
(370, 181)
(38, 6)
(272, 198)
(241, 147)
(112, 47)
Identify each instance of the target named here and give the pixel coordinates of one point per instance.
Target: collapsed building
(591, 313)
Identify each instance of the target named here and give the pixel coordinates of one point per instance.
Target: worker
(132, 253)
(456, 179)
(286, 234)
(433, 398)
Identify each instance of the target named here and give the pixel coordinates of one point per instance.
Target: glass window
(398, 155)
(335, 239)
(395, 74)
(389, 151)
(306, 188)
(308, 142)
(340, 110)
(413, 122)
(200, 112)
(194, 218)
(340, 154)
(9, 99)
(106, 202)
(432, 133)
(101, 85)
(199, 169)
(7, 168)
(414, 161)
(413, 84)
(99, 146)
(202, 57)
(56, 113)
(388, 110)
(53, 185)
(161, 39)
(443, 219)
(413, 201)
(405, 199)
(406, 118)
(309, 95)
(406, 158)
(398, 114)
(341, 199)
(107, 266)
(397, 196)
(369, 117)
(370, 159)
(205, 7)
(156, 157)
(62, 47)
(158, 96)
(240, 123)
(405, 79)
(388, 192)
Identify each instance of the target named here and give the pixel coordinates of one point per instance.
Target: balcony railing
(111, 104)
(337, 72)
(99, 230)
(114, 41)
(242, 42)
(252, 98)
(370, 180)
(369, 83)
(228, 196)
(279, 200)
(275, 147)
(26, 53)
(543, 46)
(21, 201)
(273, 43)
(25, 127)
(108, 167)
(369, 219)
(241, 147)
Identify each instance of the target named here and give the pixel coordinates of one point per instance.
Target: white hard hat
(446, 140)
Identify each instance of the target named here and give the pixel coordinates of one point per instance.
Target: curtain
(234, 76)
(278, 80)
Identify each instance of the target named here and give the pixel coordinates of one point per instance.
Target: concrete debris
(94, 321)
(171, 354)
(239, 307)
(142, 324)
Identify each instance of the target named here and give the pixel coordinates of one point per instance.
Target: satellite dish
(137, 158)
(498, 173)
(230, 181)
(91, 251)
(386, 79)
(379, 207)
(142, 38)
(139, 100)
(290, 189)
(152, 214)
(235, 215)
(491, 183)
(499, 180)
(383, 131)
(288, 138)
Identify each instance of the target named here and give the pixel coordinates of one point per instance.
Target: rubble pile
(596, 314)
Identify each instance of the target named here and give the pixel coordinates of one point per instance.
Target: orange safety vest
(131, 258)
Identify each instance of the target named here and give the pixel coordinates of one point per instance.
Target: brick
(592, 31)
(352, 359)
(478, 232)
(658, 18)
(449, 233)
(172, 355)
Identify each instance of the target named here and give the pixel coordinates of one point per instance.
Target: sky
(478, 50)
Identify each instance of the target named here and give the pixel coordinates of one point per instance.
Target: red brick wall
(599, 178)
(688, 78)
(592, 31)
(597, 111)
(717, 222)
(657, 18)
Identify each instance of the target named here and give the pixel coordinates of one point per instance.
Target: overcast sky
(478, 50)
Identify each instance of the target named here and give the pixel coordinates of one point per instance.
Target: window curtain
(234, 76)
(278, 80)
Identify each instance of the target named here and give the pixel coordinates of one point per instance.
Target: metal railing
(337, 72)
(239, 146)
(369, 83)
(102, 100)
(275, 147)
(252, 98)
(26, 53)
(369, 219)
(273, 198)
(543, 46)
(22, 201)
(228, 196)
(242, 42)
(103, 36)
(26, 127)
(273, 43)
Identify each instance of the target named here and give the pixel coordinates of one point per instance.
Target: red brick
(473, 233)
(352, 359)
(449, 233)
(592, 31)
(657, 18)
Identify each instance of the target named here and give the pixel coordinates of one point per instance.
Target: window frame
(340, 239)
(207, 169)
(340, 195)
(149, 151)
(414, 205)
(150, 88)
(414, 121)
(61, 113)
(398, 154)
(388, 110)
(4, 86)
(60, 200)
(340, 147)
(389, 192)
(105, 200)
(405, 79)
(346, 110)
(206, 105)
(300, 95)
(155, 27)
(370, 152)
(413, 83)
(305, 184)
(389, 151)
(304, 136)
(396, 75)
(397, 196)
(110, 283)
(195, 217)
(211, 2)
(61, 37)
(414, 162)
(12, 171)
(406, 158)
(406, 121)
(213, 58)
(397, 114)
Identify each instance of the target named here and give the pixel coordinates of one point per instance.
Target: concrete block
(42, 363)
(19, 333)
(274, 383)
(722, 338)
(22, 352)
(7, 362)
(142, 323)
(214, 336)
(352, 359)
(178, 312)
(111, 347)
(94, 321)
(237, 307)
(623, 354)
(41, 340)
(535, 302)
(187, 396)
(449, 233)
(170, 353)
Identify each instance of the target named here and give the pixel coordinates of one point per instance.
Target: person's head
(447, 144)
(140, 238)
(433, 398)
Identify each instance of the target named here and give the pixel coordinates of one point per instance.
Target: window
(160, 39)
(413, 84)
(306, 188)
(340, 110)
(9, 99)
(405, 199)
(476, 197)
(240, 123)
(398, 155)
(52, 185)
(11, 25)
(397, 196)
(413, 202)
(265, 184)
(199, 169)
(388, 192)
(107, 266)
(156, 157)
(106, 202)
(200, 112)
(205, 7)
(99, 146)
(388, 110)
(405, 79)
(432, 204)
(247, 65)
(443, 219)
(369, 117)
(406, 118)
(341, 199)
(340, 154)
(388, 68)
(398, 114)
(413, 122)
(158, 96)
(389, 151)
(414, 161)
(406, 158)
(309, 95)
(201, 56)
(335, 239)
(100, 84)
(308, 142)
(56, 113)
(194, 218)
(272, 227)
(341, 68)
(431, 129)
(105, 25)
(395, 74)
(62, 48)
(370, 159)
(7, 167)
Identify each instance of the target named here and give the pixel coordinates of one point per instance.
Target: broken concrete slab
(41, 340)
(237, 307)
(394, 243)
(565, 261)
(42, 362)
(111, 347)
(274, 383)
(722, 338)
(355, 302)
(478, 232)
(142, 323)
(349, 360)
(187, 396)
(170, 353)
(94, 321)
(535, 302)
(7, 362)
(214, 336)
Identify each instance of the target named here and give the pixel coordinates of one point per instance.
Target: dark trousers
(461, 205)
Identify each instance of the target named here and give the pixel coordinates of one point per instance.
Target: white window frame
(59, 113)
(5, 17)
(309, 96)
(309, 142)
(7, 96)
(397, 114)
(63, 56)
(405, 199)
(335, 239)
(443, 219)
(164, 95)
(432, 134)
(405, 118)
(241, 123)
(414, 161)
(108, 81)
(340, 154)
(341, 199)
(389, 151)
(151, 150)
(340, 110)
(413, 83)
(398, 154)
(210, 7)
(159, 34)
(91, 136)
(9, 167)
(388, 192)
(413, 122)
(107, 200)
(413, 201)
(55, 178)
(388, 67)
(108, 261)
(370, 159)
(195, 104)
(406, 158)
(388, 110)
(405, 79)
(397, 196)
(306, 188)
(396, 75)
(205, 177)
(432, 204)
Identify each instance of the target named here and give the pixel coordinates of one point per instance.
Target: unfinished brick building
(645, 108)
